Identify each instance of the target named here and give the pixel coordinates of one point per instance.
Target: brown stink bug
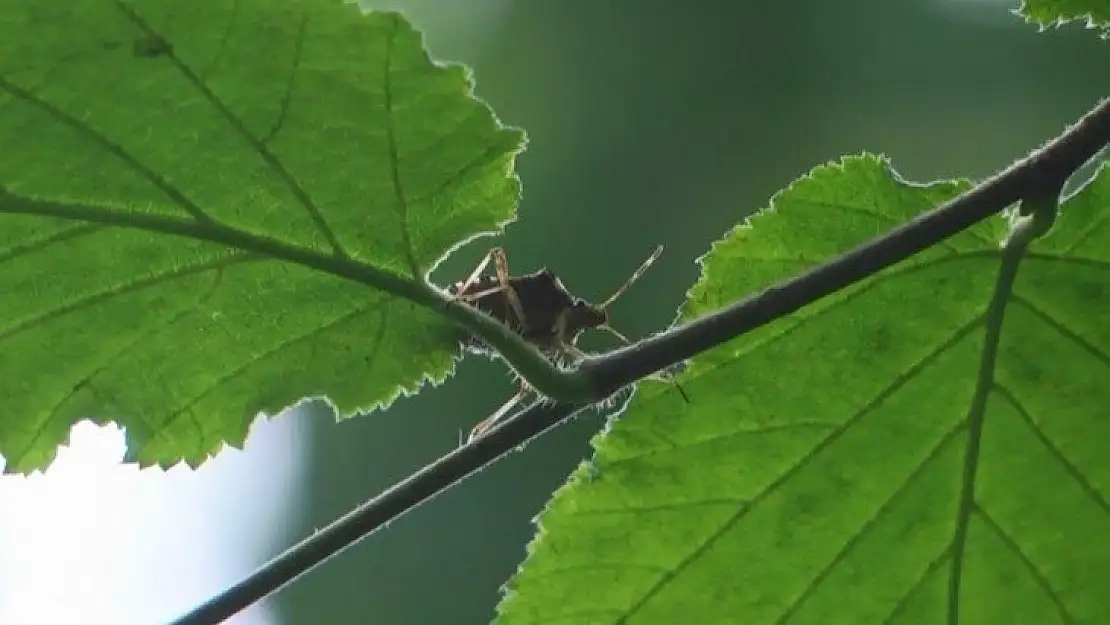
(539, 308)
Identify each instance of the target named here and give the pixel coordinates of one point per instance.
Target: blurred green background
(657, 122)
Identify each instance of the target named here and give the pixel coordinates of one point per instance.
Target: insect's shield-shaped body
(539, 308)
(582, 316)
(552, 317)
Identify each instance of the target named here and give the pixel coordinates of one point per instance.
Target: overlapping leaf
(195, 198)
(832, 466)
(1095, 13)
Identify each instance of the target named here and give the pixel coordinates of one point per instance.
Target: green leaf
(1095, 13)
(860, 461)
(212, 209)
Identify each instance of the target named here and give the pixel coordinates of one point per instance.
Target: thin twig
(373, 514)
(1042, 173)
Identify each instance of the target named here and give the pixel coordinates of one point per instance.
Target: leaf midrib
(976, 417)
(380, 280)
(958, 335)
(343, 267)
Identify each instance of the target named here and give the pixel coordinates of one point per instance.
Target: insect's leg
(501, 267)
(485, 424)
(662, 376)
(470, 297)
(460, 287)
(574, 351)
(477, 273)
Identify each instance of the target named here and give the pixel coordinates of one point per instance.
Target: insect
(539, 308)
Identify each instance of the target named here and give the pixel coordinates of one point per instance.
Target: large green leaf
(835, 466)
(1095, 13)
(196, 201)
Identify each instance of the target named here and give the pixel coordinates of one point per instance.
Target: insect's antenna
(635, 276)
(624, 287)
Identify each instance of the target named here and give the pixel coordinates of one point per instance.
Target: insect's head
(583, 315)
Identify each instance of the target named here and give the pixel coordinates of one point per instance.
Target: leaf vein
(237, 125)
(662, 507)
(1097, 225)
(345, 268)
(1069, 467)
(139, 337)
(221, 47)
(593, 567)
(883, 509)
(242, 368)
(37, 245)
(453, 177)
(1038, 575)
(110, 147)
(717, 437)
(444, 138)
(934, 566)
(977, 416)
(899, 381)
(93, 299)
(871, 211)
(576, 616)
(848, 296)
(401, 206)
(1063, 330)
(376, 342)
(290, 84)
(1070, 260)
